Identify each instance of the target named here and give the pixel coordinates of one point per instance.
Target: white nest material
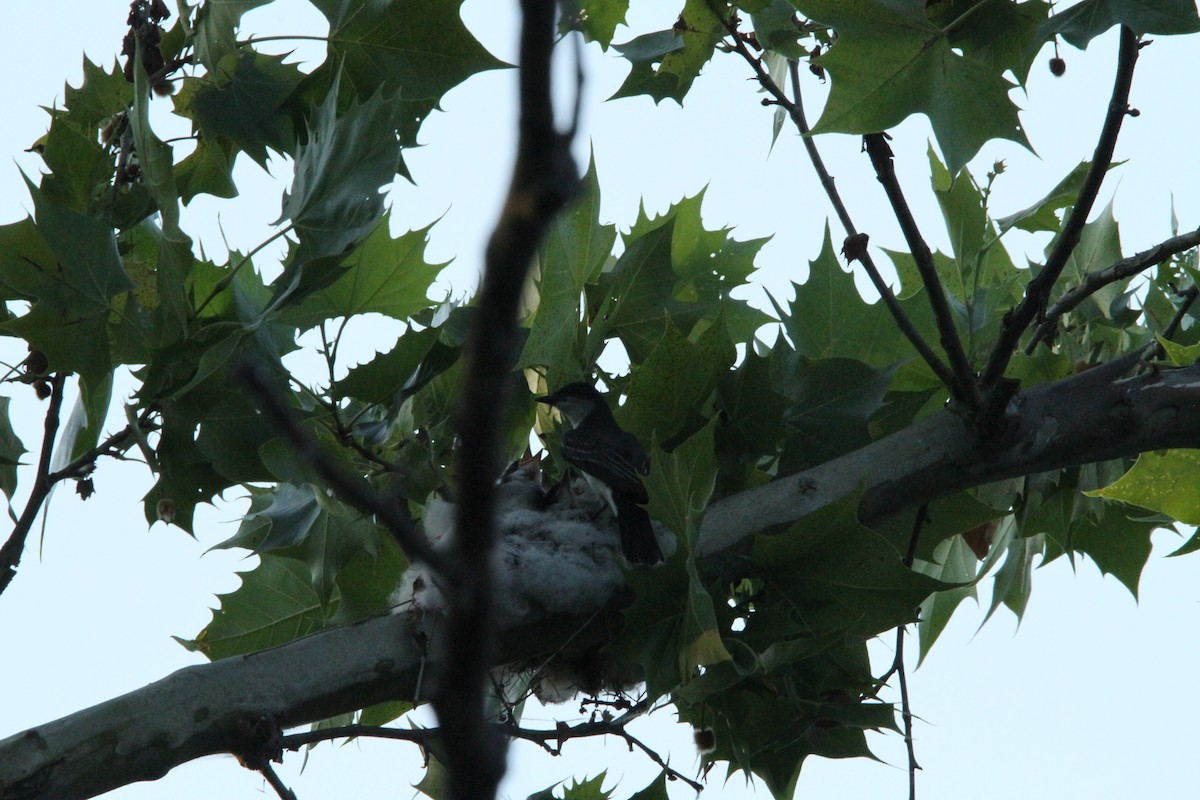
(554, 554)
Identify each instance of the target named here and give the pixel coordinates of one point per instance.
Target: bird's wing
(618, 461)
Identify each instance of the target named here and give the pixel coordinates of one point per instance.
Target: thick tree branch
(1037, 292)
(1093, 416)
(795, 111)
(1094, 281)
(545, 178)
(963, 386)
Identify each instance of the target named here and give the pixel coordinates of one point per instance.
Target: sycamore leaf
(849, 575)
(417, 358)
(215, 29)
(596, 19)
(413, 51)
(100, 95)
(665, 63)
(241, 104)
(677, 377)
(1084, 21)
(575, 251)
(11, 450)
(672, 267)
(999, 33)
(208, 170)
(953, 562)
(336, 198)
(890, 61)
(275, 604)
(1042, 216)
(1014, 580)
(382, 275)
(1164, 480)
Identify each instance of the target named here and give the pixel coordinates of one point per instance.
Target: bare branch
(545, 177)
(796, 113)
(10, 553)
(1094, 281)
(1037, 292)
(963, 386)
(201, 710)
(349, 487)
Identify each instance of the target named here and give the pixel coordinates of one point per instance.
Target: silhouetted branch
(545, 178)
(1037, 292)
(796, 112)
(1094, 281)
(963, 386)
(10, 553)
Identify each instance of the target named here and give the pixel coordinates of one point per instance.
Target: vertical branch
(544, 179)
(795, 111)
(1037, 292)
(10, 553)
(964, 379)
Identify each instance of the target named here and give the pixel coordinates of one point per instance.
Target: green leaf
(1042, 216)
(998, 33)
(596, 19)
(680, 484)
(155, 157)
(379, 49)
(1120, 546)
(829, 318)
(890, 61)
(1014, 579)
(1177, 354)
(832, 402)
(1084, 21)
(1099, 247)
(275, 604)
(11, 450)
(383, 275)
(847, 575)
(665, 63)
(774, 29)
(676, 379)
(953, 562)
(573, 255)
(1164, 480)
(396, 375)
(100, 95)
(80, 169)
(672, 268)
(216, 29)
(83, 427)
(208, 170)
(242, 104)
(335, 198)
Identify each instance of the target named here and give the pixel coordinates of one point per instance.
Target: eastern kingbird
(613, 462)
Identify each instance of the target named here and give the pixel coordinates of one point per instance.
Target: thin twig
(796, 112)
(1188, 297)
(1037, 292)
(276, 783)
(964, 386)
(1098, 279)
(10, 554)
(349, 487)
(545, 177)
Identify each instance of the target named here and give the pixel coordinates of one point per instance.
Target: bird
(613, 462)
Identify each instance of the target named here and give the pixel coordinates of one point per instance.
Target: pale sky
(1091, 697)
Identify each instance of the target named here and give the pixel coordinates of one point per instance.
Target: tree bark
(225, 706)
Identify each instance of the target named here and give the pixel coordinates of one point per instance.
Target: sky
(1091, 695)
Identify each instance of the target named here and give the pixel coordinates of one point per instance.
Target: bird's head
(575, 401)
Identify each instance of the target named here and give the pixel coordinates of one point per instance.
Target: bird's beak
(547, 399)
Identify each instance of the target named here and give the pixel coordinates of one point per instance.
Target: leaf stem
(224, 283)
(954, 24)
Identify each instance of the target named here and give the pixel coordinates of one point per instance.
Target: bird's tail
(638, 543)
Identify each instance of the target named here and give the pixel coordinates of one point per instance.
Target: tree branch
(545, 178)
(1037, 292)
(10, 553)
(963, 385)
(1094, 281)
(1093, 416)
(796, 112)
